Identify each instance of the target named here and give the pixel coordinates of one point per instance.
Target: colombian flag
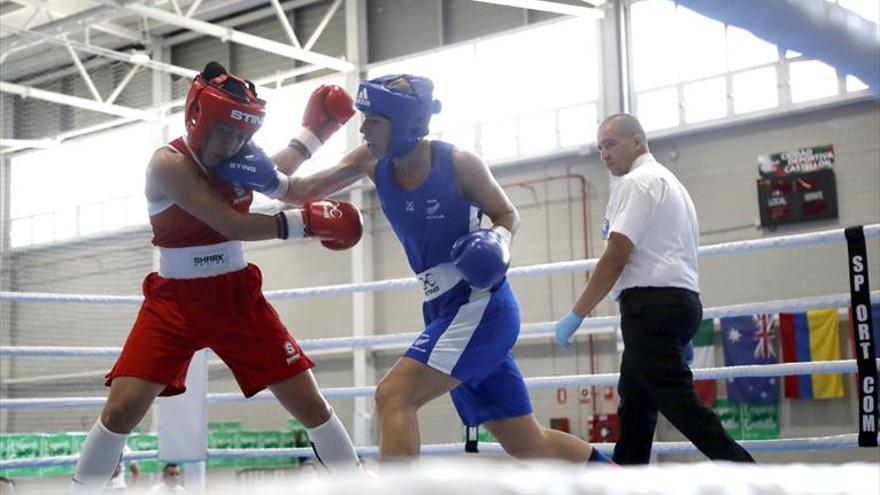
(806, 337)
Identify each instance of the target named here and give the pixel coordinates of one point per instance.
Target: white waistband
(201, 261)
(438, 279)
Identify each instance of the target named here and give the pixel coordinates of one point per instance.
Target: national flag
(809, 337)
(750, 340)
(704, 357)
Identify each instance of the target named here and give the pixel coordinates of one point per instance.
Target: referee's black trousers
(656, 324)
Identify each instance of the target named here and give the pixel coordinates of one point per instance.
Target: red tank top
(173, 227)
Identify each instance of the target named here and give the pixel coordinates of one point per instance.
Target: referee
(650, 268)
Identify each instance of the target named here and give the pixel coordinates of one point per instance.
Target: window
(705, 100)
(811, 79)
(853, 84)
(448, 69)
(537, 133)
(869, 9)
(658, 109)
(745, 50)
(498, 140)
(676, 53)
(755, 90)
(578, 125)
(503, 96)
(651, 44)
(79, 187)
(701, 45)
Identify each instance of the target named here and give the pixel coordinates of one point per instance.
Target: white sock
(97, 459)
(332, 444)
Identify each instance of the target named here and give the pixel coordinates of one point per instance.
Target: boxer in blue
(434, 195)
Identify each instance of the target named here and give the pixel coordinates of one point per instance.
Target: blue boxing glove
(483, 256)
(566, 327)
(253, 169)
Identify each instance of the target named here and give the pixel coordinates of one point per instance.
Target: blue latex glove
(688, 352)
(566, 327)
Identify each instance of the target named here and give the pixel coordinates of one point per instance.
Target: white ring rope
(590, 326)
(756, 370)
(849, 440)
(796, 240)
(597, 325)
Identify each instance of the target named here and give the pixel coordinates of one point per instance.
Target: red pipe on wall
(586, 228)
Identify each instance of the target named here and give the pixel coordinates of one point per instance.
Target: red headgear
(217, 96)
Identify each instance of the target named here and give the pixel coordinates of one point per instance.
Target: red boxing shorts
(226, 313)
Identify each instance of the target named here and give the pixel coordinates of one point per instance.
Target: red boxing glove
(328, 109)
(337, 224)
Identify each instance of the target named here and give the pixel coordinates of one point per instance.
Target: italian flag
(704, 357)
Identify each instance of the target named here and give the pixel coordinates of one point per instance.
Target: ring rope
(755, 370)
(734, 247)
(590, 326)
(849, 440)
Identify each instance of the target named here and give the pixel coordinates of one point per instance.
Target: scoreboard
(797, 186)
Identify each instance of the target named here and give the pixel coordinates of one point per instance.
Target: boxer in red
(205, 294)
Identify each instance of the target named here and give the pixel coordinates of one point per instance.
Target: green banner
(146, 441)
(271, 440)
(57, 444)
(748, 421)
(224, 426)
(222, 440)
(730, 416)
(483, 435)
(23, 446)
(760, 421)
(249, 440)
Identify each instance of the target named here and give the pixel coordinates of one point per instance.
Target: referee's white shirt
(655, 212)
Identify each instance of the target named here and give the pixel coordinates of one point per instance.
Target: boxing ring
(502, 478)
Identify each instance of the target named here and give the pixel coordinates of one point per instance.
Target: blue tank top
(429, 219)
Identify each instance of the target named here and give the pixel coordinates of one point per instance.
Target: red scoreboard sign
(797, 186)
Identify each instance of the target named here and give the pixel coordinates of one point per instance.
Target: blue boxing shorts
(472, 342)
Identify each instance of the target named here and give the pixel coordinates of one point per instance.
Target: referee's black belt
(640, 292)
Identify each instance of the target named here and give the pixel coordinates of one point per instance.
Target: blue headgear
(409, 113)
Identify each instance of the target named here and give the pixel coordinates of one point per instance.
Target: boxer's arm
(352, 168)
(329, 107)
(174, 177)
(606, 273)
(478, 185)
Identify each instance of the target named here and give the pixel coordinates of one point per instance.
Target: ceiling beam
(547, 6)
(64, 9)
(84, 73)
(228, 34)
(331, 11)
(95, 106)
(285, 23)
(122, 84)
(160, 109)
(65, 25)
(104, 52)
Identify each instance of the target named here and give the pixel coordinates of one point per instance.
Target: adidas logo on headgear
(363, 98)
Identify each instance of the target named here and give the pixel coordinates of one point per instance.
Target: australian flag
(750, 340)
